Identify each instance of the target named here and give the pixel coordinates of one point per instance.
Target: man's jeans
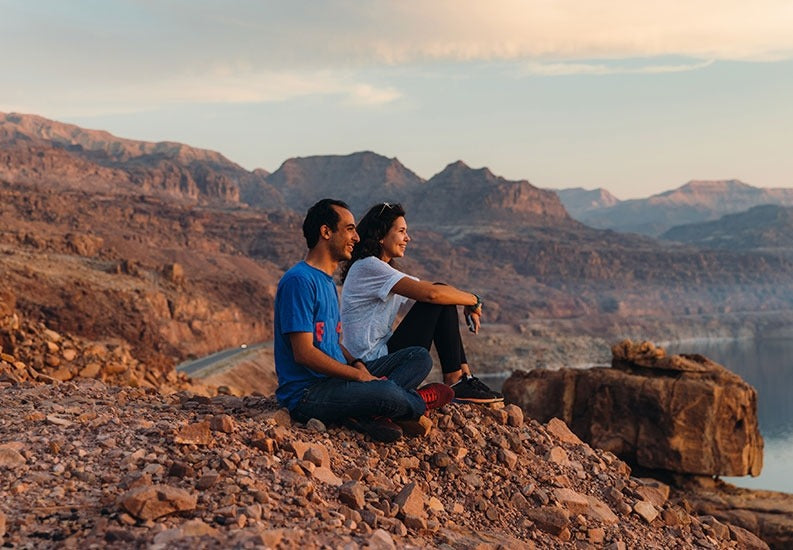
(334, 399)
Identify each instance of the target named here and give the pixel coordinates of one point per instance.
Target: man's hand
(365, 375)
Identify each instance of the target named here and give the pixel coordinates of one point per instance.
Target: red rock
(352, 493)
(702, 420)
(194, 434)
(156, 501)
(410, 500)
(550, 519)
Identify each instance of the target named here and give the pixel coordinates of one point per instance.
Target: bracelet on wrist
(478, 305)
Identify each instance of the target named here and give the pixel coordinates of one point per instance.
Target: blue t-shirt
(306, 301)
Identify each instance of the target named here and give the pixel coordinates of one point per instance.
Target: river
(768, 366)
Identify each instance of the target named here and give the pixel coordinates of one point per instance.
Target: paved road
(196, 366)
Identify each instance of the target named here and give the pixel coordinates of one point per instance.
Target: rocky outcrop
(678, 413)
(768, 514)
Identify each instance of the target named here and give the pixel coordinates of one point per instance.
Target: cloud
(564, 69)
(139, 54)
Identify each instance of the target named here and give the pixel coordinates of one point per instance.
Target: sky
(636, 97)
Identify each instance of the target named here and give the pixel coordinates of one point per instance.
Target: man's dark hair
(322, 213)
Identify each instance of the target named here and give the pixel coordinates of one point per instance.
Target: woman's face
(395, 241)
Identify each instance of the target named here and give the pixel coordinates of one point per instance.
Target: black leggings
(426, 323)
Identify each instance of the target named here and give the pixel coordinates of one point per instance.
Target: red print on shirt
(319, 330)
(338, 327)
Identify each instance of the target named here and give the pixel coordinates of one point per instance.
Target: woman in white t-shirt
(374, 290)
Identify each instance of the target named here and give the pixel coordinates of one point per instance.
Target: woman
(374, 290)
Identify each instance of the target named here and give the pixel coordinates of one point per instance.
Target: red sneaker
(436, 395)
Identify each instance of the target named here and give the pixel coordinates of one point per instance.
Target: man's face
(344, 236)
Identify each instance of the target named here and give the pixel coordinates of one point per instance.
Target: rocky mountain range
(182, 267)
(694, 202)
(33, 148)
(768, 227)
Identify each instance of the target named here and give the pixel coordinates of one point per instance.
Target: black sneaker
(380, 428)
(472, 390)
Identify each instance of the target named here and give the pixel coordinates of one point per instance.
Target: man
(317, 376)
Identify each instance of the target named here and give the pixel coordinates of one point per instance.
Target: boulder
(682, 413)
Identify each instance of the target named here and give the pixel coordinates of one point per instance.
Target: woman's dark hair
(372, 228)
(322, 213)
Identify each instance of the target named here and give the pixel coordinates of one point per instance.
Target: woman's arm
(424, 291)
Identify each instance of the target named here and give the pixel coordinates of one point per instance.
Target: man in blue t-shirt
(317, 376)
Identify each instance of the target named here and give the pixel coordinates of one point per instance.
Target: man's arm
(306, 354)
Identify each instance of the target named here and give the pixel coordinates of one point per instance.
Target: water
(768, 366)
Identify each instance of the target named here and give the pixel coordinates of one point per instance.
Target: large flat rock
(680, 413)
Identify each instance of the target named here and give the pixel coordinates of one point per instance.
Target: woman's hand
(472, 319)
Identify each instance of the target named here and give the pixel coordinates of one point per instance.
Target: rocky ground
(86, 462)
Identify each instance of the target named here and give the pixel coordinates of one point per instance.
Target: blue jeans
(334, 399)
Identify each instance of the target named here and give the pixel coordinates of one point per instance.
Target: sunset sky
(636, 97)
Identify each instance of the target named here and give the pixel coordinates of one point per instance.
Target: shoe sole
(478, 400)
(382, 436)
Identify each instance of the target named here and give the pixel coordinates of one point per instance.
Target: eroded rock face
(680, 413)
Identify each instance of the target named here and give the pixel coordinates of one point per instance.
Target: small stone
(575, 502)
(194, 434)
(557, 455)
(58, 421)
(562, 432)
(440, 460)
(645, 510)
(156, 501)
(207, 481)
(514, 415)
(380, 539)
(550, 519)
(352, 493)
(316, 425)
(596, 535)
(410, 500)
(507, 458)
(325, 475)
(10, 458)
(222, 423)
(91, 370)
(415, 521)
(318, 455)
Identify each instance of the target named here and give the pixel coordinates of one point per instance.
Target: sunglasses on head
(385, 205)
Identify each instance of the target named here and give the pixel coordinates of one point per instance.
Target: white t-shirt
(369, 308)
